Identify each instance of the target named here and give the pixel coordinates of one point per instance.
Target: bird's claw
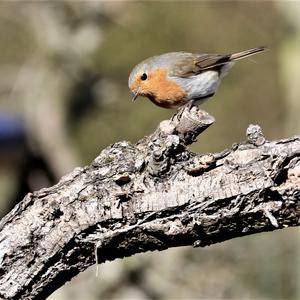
(181, 110)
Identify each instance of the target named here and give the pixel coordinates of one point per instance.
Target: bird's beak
(134, 95)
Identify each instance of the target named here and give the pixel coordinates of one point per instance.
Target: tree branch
(153, 195)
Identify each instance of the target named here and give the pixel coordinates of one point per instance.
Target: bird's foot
(189, 105)
(181, 110)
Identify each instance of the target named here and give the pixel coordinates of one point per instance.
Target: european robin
(175, 79)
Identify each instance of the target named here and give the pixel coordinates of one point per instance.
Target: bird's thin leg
(182, 108)
(190, 104)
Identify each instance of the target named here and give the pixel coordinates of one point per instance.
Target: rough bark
(153, 195)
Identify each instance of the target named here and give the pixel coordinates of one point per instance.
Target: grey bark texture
(153, 195)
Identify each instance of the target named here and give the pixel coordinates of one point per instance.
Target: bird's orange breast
(163, 91)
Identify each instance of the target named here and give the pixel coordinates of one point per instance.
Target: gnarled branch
(152, 195)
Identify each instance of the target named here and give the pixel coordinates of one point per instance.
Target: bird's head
(153, 79)
(141, 80)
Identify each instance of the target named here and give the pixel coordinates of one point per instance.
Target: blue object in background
(12, 131)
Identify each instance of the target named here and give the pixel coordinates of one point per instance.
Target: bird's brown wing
(197, 64)
(211, 61)
(193, 64)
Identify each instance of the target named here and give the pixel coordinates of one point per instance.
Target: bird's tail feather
(246, 53)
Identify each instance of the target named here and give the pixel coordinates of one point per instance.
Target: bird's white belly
(201, 85)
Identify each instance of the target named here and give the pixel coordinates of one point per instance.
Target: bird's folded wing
(189, 66)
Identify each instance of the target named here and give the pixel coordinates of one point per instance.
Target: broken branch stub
(187, 124)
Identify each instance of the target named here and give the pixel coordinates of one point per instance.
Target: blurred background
(64, 97)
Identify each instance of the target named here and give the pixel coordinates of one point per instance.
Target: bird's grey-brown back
(185, 64)
(175, 62)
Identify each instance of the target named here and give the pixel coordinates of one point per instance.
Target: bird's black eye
(144, 76)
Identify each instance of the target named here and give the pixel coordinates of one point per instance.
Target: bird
(177, 79)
